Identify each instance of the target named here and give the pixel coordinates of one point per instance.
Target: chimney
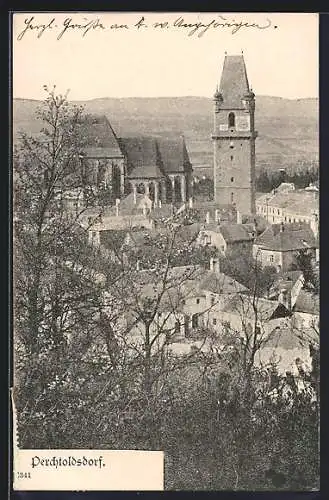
(208, 218)
(138, 265)
(238, 217)
(190, 202)
(214, 265)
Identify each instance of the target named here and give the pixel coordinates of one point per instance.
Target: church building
(234, 138)
(157, 167)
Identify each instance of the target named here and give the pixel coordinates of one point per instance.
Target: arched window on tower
(232, 198)
(231, 120)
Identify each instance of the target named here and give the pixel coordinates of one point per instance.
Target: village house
(242, 314)
(279, 245)
(286, 204)
(229, 238)
(306, 312)
(185, 308)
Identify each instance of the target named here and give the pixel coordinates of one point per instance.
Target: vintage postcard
(166, 251)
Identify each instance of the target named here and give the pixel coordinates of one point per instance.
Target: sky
(97, 60)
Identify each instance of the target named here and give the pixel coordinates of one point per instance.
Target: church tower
(234, 138)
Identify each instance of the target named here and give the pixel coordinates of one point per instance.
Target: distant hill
(288, 129)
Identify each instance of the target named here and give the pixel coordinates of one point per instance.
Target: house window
(232, 179)
(212, 300)
(231, 157)
(93, 235)
(232, 197)
(214, 321)
(195, 322)
(271, 258)
(278, 212)
(198, 301)
(177, 327)
(222, 248)
(231, 120)
(183, 302)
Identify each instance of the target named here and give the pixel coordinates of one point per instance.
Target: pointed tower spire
(234, 82)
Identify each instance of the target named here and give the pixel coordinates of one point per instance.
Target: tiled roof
(99, 137)
(243, 306)
(307, 303)
(297, 236)
(220, 283)
(233, 233)
(234, 82)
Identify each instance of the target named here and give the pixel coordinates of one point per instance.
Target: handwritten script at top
(87, 26)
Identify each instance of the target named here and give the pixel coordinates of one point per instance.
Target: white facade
(290, 206)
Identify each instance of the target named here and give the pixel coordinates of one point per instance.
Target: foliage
(305, 263)
(247, 271)
(301, 178)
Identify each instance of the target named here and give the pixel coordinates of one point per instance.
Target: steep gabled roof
(307, 303)
(234, 82)
(99, 138)
(154, 157)
(143, 159)
(298, 236)
(174, 155)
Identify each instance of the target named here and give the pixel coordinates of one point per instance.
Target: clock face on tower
(243, 123)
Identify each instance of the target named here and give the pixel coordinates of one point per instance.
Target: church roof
(174, 154)
(143, 157)
(234, 82)
(99, 138)
(154, 157)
